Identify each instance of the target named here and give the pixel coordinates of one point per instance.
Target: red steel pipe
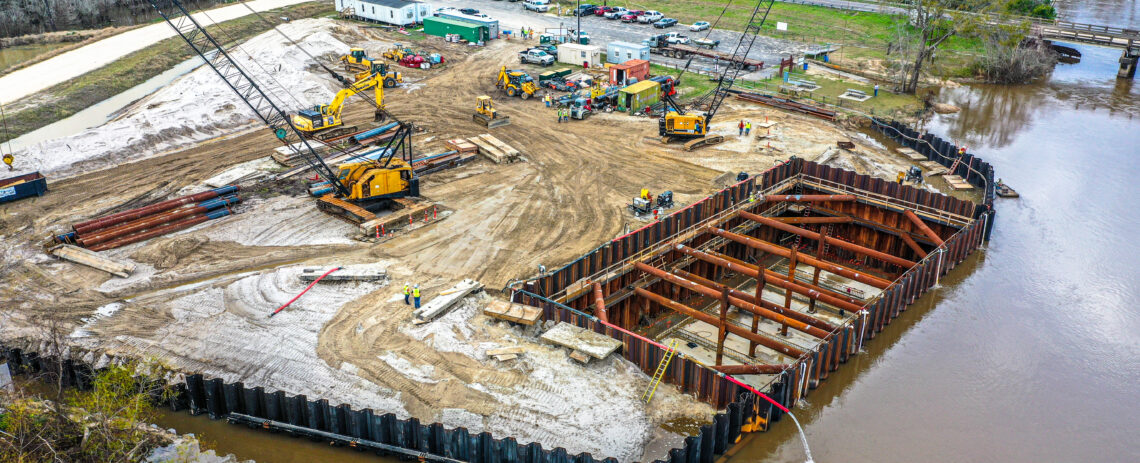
(798, 286)
(794, 219)
(126, 216)
(747, 306)
(812, 261)
(144, 223)
(914, 218)
(823, 325)
(754, 369)
(808, 198)
(833, 241)
(704, 317)
(186, 222)
(912, 244)
(754, 272)
(600, 303)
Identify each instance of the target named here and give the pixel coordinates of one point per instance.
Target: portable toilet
(572, 53)
(620, 52)
(640, 95)
(470, 32)
(631, 71)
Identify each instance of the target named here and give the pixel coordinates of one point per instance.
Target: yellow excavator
(358, 63)
(320, 121)
(516, 83)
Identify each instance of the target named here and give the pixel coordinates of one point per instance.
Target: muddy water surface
(1030, 351)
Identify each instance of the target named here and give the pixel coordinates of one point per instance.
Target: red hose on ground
(307, 288)
(761, 394)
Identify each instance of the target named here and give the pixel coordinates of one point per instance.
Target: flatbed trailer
(684, 51)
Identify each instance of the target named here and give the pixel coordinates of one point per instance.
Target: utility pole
(578, 30)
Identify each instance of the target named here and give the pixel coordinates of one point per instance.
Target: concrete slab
(445, 301)
(362, 272)
(580, 339)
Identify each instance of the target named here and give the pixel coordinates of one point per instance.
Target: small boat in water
(1005, 191)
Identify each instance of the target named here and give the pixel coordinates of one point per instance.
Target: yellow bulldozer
(357, 63)
(516, 83)
(321, 121)
(486, 114)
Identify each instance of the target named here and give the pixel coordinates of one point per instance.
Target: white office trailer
(395, 12)
(572, 53)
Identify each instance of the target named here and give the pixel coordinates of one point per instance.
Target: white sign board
(781, 26)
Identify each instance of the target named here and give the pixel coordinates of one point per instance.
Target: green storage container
(470, 32)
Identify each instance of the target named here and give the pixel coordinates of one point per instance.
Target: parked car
(616, 12)
(540, 6)
(585, 9)
(700, 26)
(631, 16)
(667, 22)
(442, 10)
(470, 11)
(650, 16)
(602, 10)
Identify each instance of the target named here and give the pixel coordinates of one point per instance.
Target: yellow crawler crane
(320, 121)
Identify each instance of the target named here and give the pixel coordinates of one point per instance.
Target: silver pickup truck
(536, 56)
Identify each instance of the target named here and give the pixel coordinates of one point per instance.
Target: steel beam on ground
(754, 369)
(772, 278)
(823, 325)
(741, 303)
(808, 198)
(704, 317)
(832, 241)
(600, 303)
(923, 227)
(794, 219)
(781, 251)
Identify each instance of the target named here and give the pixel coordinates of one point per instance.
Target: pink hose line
(307, 288)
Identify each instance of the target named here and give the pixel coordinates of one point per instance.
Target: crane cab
(674, 124)
(368, 180)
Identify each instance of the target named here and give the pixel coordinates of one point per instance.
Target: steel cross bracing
(747, 39)
(252, 94)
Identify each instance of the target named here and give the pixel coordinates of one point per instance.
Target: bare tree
(926, 27)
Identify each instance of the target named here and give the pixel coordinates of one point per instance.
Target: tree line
(22, 17)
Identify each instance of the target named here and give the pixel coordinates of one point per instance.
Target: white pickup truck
(650, 17)
(536, 56)
(540, 6)
(676, 38)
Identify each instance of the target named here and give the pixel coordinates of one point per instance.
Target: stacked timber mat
(140, 224)
(494, 149)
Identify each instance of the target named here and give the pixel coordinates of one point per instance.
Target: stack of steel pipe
(123, 228)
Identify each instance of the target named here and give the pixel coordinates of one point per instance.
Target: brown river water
(1029, 351)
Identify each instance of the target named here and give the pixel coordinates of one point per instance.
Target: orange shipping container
(634, 70)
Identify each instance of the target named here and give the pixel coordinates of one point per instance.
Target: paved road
(512, 16)
(88, 58)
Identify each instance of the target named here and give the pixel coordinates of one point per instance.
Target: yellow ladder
(657, 375)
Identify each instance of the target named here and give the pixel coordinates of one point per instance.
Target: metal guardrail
(955, 219)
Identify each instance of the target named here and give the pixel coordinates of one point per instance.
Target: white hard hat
(417, 285)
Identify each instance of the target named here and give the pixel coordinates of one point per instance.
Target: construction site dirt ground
(200, 299)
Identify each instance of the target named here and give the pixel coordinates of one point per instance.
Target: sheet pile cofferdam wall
(567, 294)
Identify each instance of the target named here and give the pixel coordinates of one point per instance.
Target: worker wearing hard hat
(407, 294)
(416, 295)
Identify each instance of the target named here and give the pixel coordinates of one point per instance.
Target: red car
(631, 16)
(602, 10)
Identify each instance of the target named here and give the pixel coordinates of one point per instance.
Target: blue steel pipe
(374, 132)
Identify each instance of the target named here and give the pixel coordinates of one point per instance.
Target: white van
(540, 6)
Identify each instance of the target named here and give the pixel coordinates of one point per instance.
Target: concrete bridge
(1094, 34)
